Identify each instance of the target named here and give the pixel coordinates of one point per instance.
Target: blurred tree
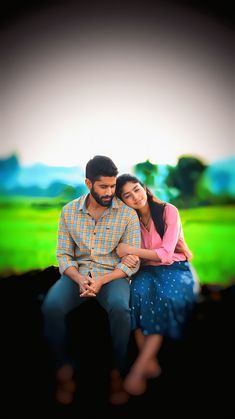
(185, 177)
(146, 172)
(9, 169)
(217, 184)
(69, 193)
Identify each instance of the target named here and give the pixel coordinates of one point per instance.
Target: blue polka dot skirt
(162, 297)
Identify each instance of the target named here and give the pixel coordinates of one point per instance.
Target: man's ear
(88, 183)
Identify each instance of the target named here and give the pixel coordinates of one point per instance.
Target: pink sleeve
(171, 235)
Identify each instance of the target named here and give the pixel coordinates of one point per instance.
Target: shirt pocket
(107, 240)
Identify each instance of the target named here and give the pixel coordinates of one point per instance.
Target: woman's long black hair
(156, 206)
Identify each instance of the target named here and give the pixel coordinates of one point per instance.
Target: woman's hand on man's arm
(130, 260)
(124, 250)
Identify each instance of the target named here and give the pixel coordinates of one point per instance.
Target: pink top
(165, 247)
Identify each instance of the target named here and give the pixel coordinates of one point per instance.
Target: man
(90, 229)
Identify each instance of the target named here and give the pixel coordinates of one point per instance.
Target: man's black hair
(100, 166)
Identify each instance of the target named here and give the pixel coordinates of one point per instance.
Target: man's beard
(100, 199)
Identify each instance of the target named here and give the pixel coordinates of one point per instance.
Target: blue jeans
(64, 296)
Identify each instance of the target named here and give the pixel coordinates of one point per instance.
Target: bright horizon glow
(145, 96)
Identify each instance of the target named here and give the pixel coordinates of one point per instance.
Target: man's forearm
(115, 274)
(73, 274)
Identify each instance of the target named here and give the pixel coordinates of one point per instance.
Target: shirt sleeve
(65, 246)
(131, 236)
(171, 235)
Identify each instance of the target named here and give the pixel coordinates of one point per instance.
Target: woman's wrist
(134, 251)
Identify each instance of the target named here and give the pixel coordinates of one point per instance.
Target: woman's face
(134, 195)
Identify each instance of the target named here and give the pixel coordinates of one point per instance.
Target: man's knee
(51, 308)
(120, 306)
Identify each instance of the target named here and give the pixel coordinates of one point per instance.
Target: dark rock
(196, 371)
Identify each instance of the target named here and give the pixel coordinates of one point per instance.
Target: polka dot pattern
(162, 298)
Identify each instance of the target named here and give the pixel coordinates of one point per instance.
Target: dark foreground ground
(197, 378)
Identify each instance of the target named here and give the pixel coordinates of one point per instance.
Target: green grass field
(28, 234)
(210, 234)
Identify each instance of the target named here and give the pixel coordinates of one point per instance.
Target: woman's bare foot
(135, 383)
(153, 369)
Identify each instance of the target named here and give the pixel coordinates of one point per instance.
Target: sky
(148, 84)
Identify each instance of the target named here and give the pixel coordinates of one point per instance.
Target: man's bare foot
(118, 394)
(65, 385)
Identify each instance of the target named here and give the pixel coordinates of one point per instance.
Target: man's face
(103, 190)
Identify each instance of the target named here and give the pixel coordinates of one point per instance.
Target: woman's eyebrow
(126, 193)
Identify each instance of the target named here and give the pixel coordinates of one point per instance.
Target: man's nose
(109, 192)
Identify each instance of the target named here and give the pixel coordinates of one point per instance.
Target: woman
(164, 291)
